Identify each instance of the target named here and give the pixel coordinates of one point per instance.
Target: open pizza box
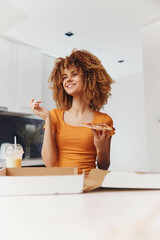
(121, 180)
(58, 180)
(40, 180)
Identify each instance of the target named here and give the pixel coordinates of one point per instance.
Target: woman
(80, 87)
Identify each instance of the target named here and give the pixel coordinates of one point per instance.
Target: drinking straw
(15, 142)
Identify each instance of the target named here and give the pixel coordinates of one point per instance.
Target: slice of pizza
(102, 126)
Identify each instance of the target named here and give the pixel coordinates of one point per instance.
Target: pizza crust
(102, 126)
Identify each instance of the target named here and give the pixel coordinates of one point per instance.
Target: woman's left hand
(100, 138)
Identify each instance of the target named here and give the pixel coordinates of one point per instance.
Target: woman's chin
(74, 93)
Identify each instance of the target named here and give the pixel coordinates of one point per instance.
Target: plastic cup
(13, 155)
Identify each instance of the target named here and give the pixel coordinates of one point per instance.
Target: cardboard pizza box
(121, 180)
(40, 180)
(58, 180)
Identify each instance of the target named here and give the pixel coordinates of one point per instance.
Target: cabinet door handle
(3, 109)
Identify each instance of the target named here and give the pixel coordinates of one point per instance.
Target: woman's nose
(69, 78)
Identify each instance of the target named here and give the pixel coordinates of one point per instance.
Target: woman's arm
(102, 142)
(103, 155)
(49, 147)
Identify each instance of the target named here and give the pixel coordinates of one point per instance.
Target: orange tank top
(75, 143)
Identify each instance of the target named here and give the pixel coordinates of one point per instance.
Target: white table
(98, 215)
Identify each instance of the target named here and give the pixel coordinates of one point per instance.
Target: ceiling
(111, 29)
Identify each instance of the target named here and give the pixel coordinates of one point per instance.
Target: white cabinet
(29, 69)
(47, 100)
(24, 73)
(5, 72)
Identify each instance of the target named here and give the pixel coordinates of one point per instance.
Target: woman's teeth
(70, 85)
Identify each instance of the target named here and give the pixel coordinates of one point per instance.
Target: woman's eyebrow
(66, 73)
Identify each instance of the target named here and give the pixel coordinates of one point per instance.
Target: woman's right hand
(38, 110)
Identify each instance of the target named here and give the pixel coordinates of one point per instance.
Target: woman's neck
(79, 106)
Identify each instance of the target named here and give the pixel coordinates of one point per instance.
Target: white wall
(151, 56)
(126, 107)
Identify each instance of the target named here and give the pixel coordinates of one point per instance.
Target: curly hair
(97, 82)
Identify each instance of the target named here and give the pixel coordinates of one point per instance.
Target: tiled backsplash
(9, 127)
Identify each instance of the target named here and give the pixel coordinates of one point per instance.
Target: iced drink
(13, 156)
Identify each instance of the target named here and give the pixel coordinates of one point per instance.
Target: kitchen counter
(35, 162)
(98, 215)
(32, 162)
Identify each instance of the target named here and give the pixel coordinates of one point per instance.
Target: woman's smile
(70, 85)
